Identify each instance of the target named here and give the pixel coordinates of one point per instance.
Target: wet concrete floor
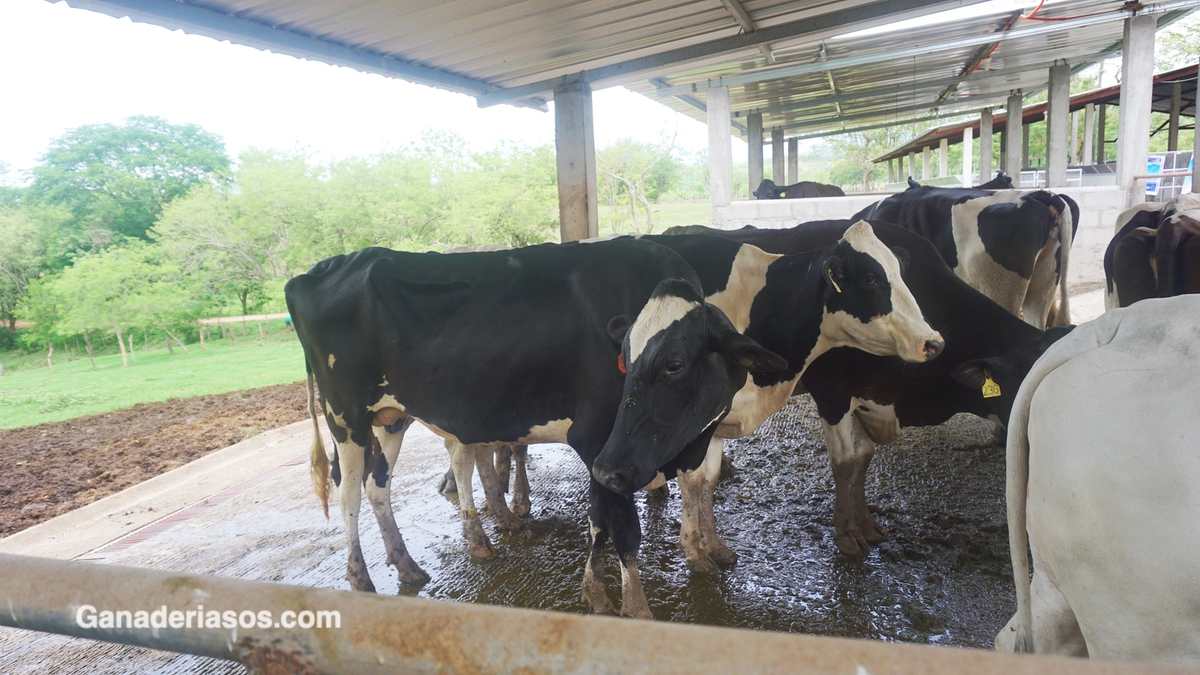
(941, 577)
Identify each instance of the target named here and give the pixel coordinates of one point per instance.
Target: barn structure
(795, 69)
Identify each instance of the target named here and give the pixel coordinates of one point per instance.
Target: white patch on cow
(752, 405)
(385, 401)
(659, 481)
(554, 431)
(384, 383)
(747, 278)
(332, 358)
(440, 432)
(1127, 215)
(337, 419)
(655, 317)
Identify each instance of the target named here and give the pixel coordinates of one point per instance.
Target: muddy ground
(50, 469)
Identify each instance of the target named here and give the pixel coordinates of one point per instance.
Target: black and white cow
(1155, 252)
(805, 189)
(512, 347)
(1013, 245)
(864, 400)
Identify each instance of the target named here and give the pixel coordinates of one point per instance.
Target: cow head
(766, 190)
(866, 303)
(684, 362)
(995, 380)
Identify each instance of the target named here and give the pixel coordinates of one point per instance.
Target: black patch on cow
(711, 257)
(335, 471)
(679, 288)
(865, 292)
(376, 464)
(1013, 236)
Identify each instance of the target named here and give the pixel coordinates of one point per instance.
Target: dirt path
(53, 468)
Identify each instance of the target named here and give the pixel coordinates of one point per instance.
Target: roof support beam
(883, 125)
(976, 103)
(699, 105)
(198, 20)
(923, 50)
(842, 20)
(743, 18)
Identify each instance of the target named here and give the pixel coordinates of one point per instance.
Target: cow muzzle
(620, 480)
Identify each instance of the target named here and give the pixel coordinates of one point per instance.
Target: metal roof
(1160, 102)
(937, 68)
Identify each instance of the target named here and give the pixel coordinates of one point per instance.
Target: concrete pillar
(777, 162)
(1003, 153)
(793, 154)
(1089, 132)
(754, 140)
(944, 158)
(1057, 110)
(1133, 134)
(1012, 137)
(1196, 147)
(926, 172)
(1101, 135)
(912, 165)
(1173, 119)
(967, 174)
(892, 170)
(575, 149)
(1073, 140)
(1025, 146)
(720, 153)
(985, 146)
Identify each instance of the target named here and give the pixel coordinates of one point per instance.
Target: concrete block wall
(1098, 210)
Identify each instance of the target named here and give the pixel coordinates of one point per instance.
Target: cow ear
(976, 372)
(750, 355)
(834, 270)
(617, 326)
(901, 255)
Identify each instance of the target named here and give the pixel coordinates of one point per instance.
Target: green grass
(666, 214)
(75, 388)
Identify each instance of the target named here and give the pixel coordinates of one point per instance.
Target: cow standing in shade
(1013, 245)
(1155, 252)
(513, 347)
(865, 400)
(805, 189)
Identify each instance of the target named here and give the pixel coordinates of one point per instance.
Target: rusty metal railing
(380, 634)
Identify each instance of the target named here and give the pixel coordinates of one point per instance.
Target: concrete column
(1173, 120)
(1012, 137)
(777, 162)
(1133, 135)
(1057, 110)
(1089, 133)
(912, 165)
(1025, 146)
(720, 153)
(754, 140)
(1196, 147)
(1003, 153)
(793, 154)
(985, 146)
(944, 158)
(967, 174)
(575, 149)
(892, 170)
(926, 172)
(1073, 141)
(1101, 135)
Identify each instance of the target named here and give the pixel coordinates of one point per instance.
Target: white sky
(61, 68)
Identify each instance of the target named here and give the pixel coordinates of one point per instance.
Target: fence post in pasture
(50, 358)
(260, 332)
(132, 356)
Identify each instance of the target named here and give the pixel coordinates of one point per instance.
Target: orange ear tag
(621, 362)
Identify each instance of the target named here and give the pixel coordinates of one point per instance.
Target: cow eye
(674, 366)
(869, 280)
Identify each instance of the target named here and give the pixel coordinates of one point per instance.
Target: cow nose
(617, 480)
(933, 348)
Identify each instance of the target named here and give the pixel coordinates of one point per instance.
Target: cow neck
(972, 325)
(787, 314)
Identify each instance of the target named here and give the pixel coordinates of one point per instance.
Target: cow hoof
(410, 572)
(661, 492)
(702, 565)
(873, 532)
(507, 522)
(597, 601)
(360, 580)
(448, 486)
(521, 507)
(723, 556)
(727, 470)
(851, 545)
(638, 611)
(478, 545)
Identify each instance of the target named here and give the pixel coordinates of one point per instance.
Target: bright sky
(61, 68)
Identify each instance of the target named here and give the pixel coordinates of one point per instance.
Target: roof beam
(202, 21)
(816, 27)
(696, 103)
(882, 125)
(977, 102)
(743, 18)
(922, 50)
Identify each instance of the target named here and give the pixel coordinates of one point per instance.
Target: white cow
(1104, 476)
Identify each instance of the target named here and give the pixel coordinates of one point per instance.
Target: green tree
(634, 174)
(1178, 45)
(115, 179)
(23, 258)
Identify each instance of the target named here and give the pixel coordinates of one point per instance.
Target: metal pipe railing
(380, 634)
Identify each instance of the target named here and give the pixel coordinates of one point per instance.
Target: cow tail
(1066, 235)
(319, 459)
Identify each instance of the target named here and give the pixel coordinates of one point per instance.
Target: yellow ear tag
(990, 388)
(829, 273)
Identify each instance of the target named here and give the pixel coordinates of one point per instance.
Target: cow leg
(350, 457)
(503, 465)
(521, 505)
(493, 491)
(703, 548)
(379, 494)
(625, 528)
(462, 461)
(595, 581)
(1055, 627)
(850, 453)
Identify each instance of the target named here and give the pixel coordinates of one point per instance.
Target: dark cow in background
(865, 400)
(1012, 245)
(510, 348)
(1002, 181)
(803, 190)
(1155, 252)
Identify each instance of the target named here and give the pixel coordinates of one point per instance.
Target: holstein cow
(1104, 478)
(1155, 252)
(865, 400)
(514, 347)
(803, 190)
(1013, 245)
